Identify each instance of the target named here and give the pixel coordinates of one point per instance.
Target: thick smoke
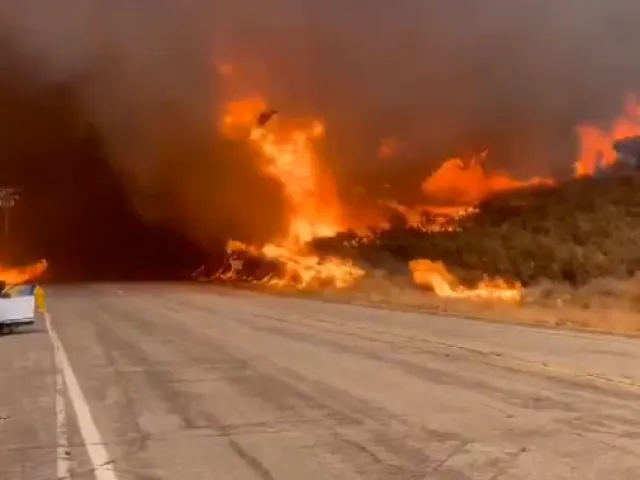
(513, 76)
(444, 77)
(143, 76)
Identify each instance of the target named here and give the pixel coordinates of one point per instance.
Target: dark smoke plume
(132, 85)
(125, 93)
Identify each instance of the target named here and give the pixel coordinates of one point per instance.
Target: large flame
(596, 144)
(430, 218)
(287, 154)
(17, 276)
(312, 200)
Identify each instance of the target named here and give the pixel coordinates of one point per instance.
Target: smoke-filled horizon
(514, 77)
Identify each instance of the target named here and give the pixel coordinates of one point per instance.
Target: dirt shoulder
(614, 320)
(601, 314)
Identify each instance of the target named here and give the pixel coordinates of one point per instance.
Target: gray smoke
(514, 76)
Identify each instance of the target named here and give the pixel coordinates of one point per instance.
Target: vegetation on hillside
(572, 233)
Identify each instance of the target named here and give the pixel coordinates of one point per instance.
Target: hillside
(571, 233)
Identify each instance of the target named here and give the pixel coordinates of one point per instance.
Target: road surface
(187, 382)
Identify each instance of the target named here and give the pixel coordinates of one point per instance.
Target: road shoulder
(28, 443)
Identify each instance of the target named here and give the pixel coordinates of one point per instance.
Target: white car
(17, 307)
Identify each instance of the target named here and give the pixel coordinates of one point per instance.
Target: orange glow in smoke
(17, 276)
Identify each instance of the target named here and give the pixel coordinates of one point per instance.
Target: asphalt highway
(149, 382)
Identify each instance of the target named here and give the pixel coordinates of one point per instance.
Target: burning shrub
(571, 233)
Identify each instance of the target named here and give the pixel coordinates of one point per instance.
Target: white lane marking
(100, 461)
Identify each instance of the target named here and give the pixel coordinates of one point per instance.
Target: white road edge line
(100, 460)
(63, 462)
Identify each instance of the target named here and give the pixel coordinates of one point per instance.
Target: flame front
(16, 276)
(435, 276)
(312, 200)
(458, 183)
(286, 153)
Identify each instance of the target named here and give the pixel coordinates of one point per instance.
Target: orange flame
(434, 275)
(430, 218)
(596, 145)
(299, 270)
(287, 155)
(16, 276)
(287, 152)
(457, 183)
(306, 271)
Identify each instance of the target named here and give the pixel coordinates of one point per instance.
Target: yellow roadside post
(41, 306)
